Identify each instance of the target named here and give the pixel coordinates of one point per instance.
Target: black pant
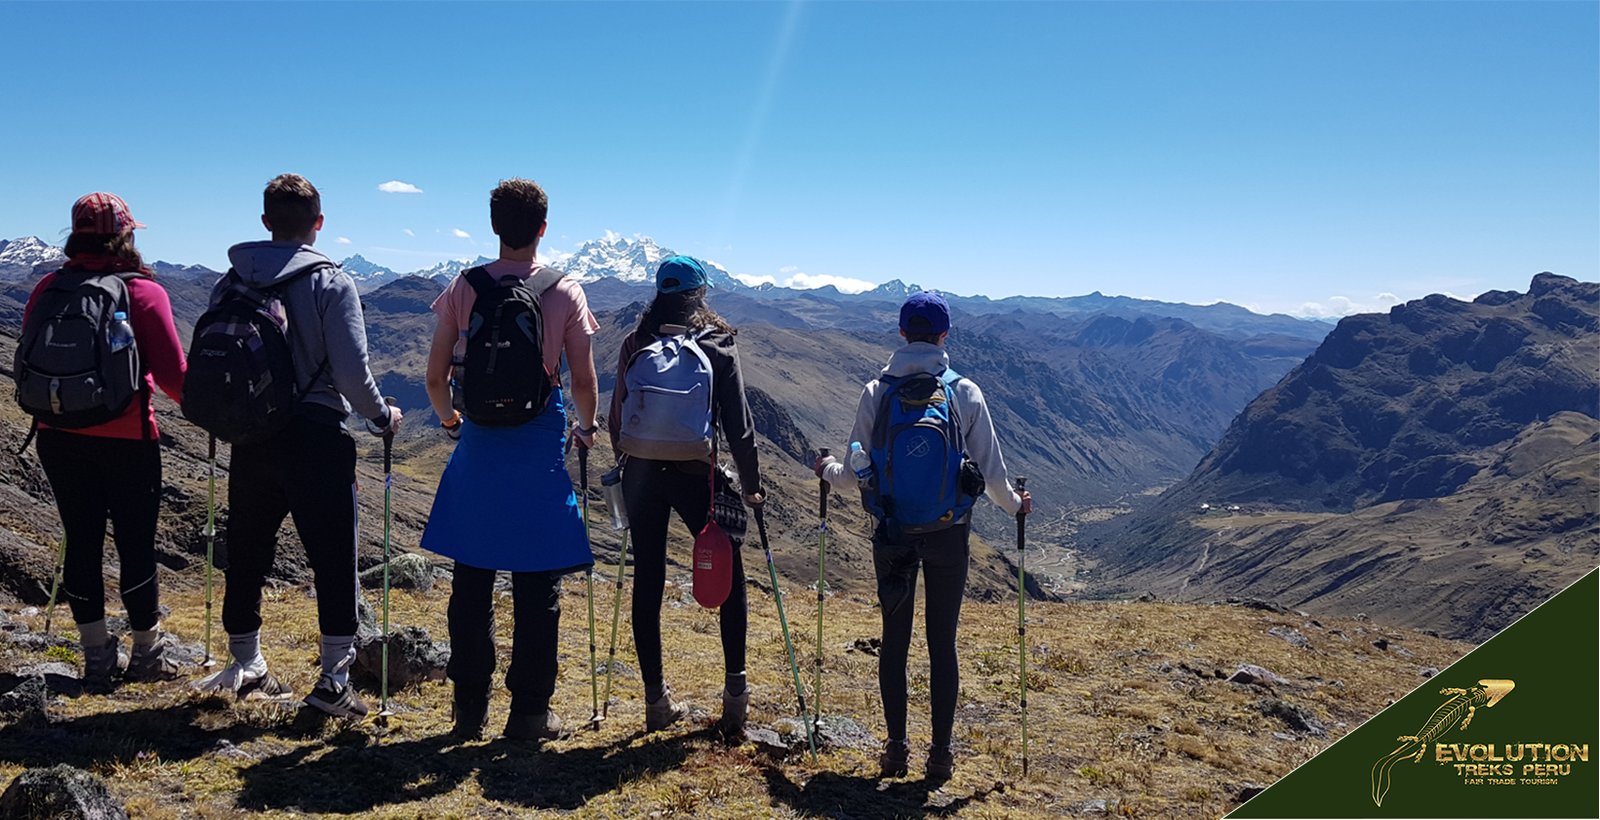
(95, 478)
(536, 617)
(308, 471)
(943, 555)
(654, 490)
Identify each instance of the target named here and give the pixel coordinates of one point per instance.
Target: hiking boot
(735, 710)
(338, 701)
(152, 663)
(471, 717)
(537, 727)
(941, 764)
(266, 688)
(895, 760)
(234, 679)
(663, 712)
(101, 666)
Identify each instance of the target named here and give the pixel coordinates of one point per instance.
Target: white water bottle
(860, 462)
(121, 333)
(611, 489)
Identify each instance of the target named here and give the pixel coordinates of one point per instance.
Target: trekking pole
(588, 577)
(1022, 625)
(777, 594)
(384, 712)
(822, 582)
(211, 548)
(55, 582)
(616, 615)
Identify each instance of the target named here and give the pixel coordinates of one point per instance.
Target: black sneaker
(539, 727)
(336, 700)
(471, 718)
(895, 760)
(152, 663)
(941, 764)
(266, 688)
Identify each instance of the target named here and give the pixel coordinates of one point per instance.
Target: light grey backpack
(667, 413)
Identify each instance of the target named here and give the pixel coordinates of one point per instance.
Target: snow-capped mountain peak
(28, 252)
(631, 259)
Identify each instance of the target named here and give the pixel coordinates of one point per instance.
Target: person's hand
(452, 425)
(393, 425)
(822, 464)
(1027, 502)
(755, 499)
(584, 435)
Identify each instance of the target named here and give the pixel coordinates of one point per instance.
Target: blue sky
(1301, 157)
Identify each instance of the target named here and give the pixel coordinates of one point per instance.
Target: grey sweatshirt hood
(265, 263)
(917, 357)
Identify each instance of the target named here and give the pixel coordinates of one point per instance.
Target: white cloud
(395, 186)
(789, 269)
(460, 234)
(611, 236)
(408, 232)
(799, 280)
(1335, 307)
(754, 281)
(344, 240)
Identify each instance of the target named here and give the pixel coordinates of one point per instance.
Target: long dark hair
(688, 308)
(116, 245)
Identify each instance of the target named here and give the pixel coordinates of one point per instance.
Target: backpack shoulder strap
(480, 280)
(545, 279)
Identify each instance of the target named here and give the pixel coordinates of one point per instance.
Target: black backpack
(504, 382)
(68, 374)
(241, 385)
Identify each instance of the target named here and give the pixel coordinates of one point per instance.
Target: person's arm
(344, 337)
(983, 446)
(734, 412)
(441, 352)
(156, 336)
(585, 384)
(619, 391)
(835, 470)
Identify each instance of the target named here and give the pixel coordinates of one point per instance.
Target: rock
(619, 669)
(1403, 652)
(767, 742)
(1089, 807)
(60, 791)
(1381, 643)
(1250, 673)
(1429, 671)
(226, 750)
(1283, 735)
(866, 646)
(23, 696)
(407, 570)
(414, 657)
(59, 677)
(840, 732)
(1290, 634)
(1254, 603)
(1295, 717)
(1250, 790)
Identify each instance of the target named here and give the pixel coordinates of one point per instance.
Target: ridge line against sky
(1308, 158)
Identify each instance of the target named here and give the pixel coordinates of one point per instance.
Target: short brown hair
(517, 210)
(291, 205)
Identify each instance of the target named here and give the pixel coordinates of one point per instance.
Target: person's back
(306, 469)
(927, 533)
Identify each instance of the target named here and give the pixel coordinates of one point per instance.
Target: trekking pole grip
(823, 488)
(1022, 485)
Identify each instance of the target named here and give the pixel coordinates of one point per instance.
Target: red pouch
(713, 566)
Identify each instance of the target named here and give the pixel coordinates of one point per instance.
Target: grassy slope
(1114, 713)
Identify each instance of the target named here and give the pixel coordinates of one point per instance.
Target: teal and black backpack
(918, 452)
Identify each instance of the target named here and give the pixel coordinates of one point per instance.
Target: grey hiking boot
(538, 727)
(735, 711)
(663, 711)
(153, 663)
(941, 764)
(101, 666)
(895, 760)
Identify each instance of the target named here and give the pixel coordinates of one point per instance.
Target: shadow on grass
(169, 733)
(830, 794)
(365, 774)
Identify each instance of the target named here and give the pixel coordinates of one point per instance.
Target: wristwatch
(589, 431)
(453, 422)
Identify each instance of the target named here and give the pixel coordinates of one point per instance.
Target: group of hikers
(278, 367)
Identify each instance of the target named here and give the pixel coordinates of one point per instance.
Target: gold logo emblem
(1461, 706)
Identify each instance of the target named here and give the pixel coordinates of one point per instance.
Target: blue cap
(680, 273)
(925, 312)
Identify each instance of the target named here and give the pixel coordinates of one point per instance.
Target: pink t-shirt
(567, 320)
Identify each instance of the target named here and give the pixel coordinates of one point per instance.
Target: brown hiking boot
(152, 663)
(941, 764)
(895, 760)
(663, 712)
(537, 727)
(102, 665)
(735, 711)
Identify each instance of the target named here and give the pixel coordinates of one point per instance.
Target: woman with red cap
(97, 337)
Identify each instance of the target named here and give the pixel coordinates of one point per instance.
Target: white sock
(93, 635)
(338, 652)
(246, 651)
(146, 638)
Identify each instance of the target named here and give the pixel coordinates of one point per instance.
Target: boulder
(23, 696)
(406, 571)
(414, 657)
(1295, 717)
(59, 792)
(59, 678)
(1250, 673)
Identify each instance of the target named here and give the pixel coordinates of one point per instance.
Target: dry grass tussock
(1125, 707)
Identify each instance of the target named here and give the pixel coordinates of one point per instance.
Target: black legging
(536, 615)
(943, 555)
(654, 490)
(95, 478)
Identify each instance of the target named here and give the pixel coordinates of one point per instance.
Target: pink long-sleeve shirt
(159, 351)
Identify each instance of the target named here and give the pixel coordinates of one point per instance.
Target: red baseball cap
(102, 213)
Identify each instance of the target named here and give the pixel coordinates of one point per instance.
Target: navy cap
(680, 273)
(925, 312)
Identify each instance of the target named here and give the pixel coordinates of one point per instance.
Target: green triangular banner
(1530, 701)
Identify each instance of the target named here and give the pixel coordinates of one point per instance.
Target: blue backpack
(917, 454)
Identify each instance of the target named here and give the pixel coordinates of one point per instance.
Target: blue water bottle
(121, 333)
(861, 463)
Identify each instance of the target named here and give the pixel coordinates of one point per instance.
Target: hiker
(923, 518)
(89, 386)
(304, 463)
(669, 451)
(505, 500)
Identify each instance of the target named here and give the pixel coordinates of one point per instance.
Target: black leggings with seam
(942, 556)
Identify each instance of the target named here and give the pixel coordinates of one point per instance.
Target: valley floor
(1129, 714)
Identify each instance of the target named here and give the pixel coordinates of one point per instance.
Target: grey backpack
(667, 413)
(77, 365)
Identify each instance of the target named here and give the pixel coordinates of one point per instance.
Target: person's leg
(536, 600)
(134, 501)
(256, 508)
(895, 565)
(75, 468)
(472, 652)
(648, 513)
(944, 562)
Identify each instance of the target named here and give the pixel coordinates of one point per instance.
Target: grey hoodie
(326, 329)
(983, 446)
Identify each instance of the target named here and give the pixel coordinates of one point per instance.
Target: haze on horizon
(1314, 159)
